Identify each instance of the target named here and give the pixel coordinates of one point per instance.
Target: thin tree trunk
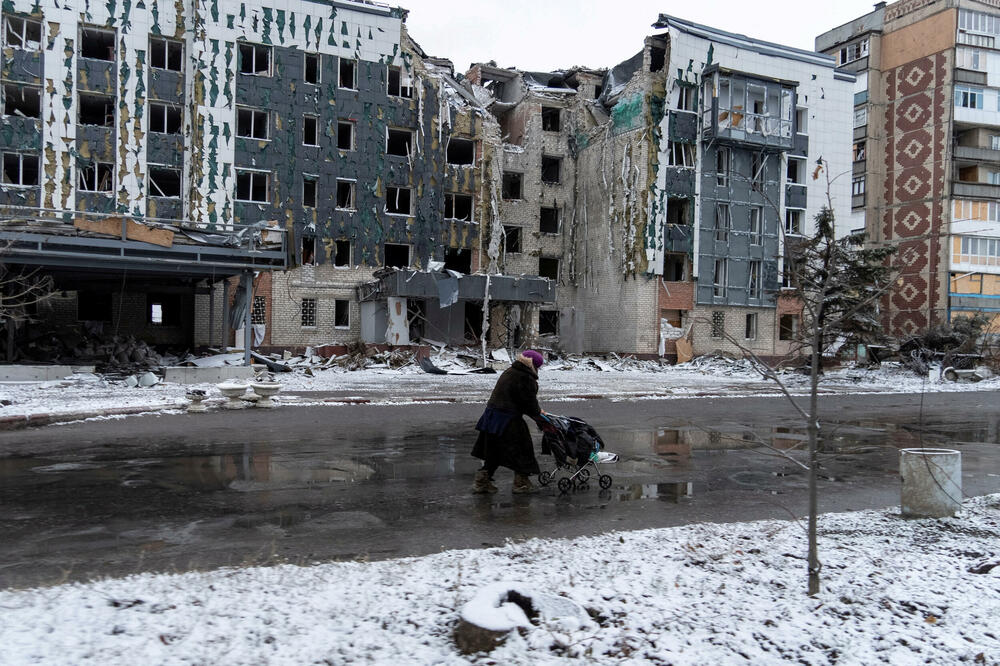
(813, 430)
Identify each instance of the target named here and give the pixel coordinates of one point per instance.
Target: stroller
(576, 448)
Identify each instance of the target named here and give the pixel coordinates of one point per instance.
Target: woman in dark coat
(504, 439)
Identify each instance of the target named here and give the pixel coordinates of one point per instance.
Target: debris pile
(111, 354)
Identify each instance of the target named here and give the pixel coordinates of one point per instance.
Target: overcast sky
(545, 35)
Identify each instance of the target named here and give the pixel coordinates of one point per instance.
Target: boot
(483, 485)
(522, 485)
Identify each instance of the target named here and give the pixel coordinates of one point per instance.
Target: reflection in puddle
(667, 492)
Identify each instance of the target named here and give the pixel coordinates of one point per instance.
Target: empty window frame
(551, 167)
(310, 187)
(22, 33)
(548, 322)
(754, 284)
(252, 186)
(311, 68)
(252, 123)
(308, 252)
(164, 182)
(795, 171)
(345, 194)
(723, 222)
(675, 266)
(687, 98)
(95, 177)
(458, 207)
(461, 152)
(398, 83)
(853, 52)
(23, 100)
(96, 110)
(756, 225)
(458, 259)
(255, 59)
(308, 312)
(310, 130)
(723, 166)
(790, 273)
(20, 169)
(163, 309)
(398, 142)
(345, 135)
(548, 267)
(788, 327)
(551, 117)
(348, 74)
(397, 200)
(342, 253)
(718, 324)
(511, 239)
(166, 54)
(97, 44)
(511, 188)
(341, 313)
(758, 165)
(801, 120)
(793, 221)
(750, 327)
(548, 220)
(396, 255)
(165, 118)
(860, 152)
(680, 154)
(678, 210)
(720, 278)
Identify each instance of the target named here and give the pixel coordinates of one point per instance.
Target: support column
(211, 314)
(248, 316)
(225, 314)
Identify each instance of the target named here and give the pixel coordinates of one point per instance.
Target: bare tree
(21, 288)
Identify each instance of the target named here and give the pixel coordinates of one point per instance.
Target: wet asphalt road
(307, 484)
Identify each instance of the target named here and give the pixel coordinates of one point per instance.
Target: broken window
(723, 165)
(416, 317)
(397, 200)
(258, 313)
(718, 324)
(166, 54)
(164, 118)
(345, 135)
(310, 130)
(252, 185)
(790, 271)
(163, 309)
(311, 68)
(22, 100)
(399, 83)
(550, 169)
(342, 253)
(461, 152)
(796, 171)
(308, 251)
(308, 311)
(511, 185)
(164, 182)
(96, 110)
(720, 278)
(398, 142)
(255, 59)
(551, 118)
(687, 98)
(677, 211)
(756, 224)
(310, 186)
(548, 322)
(458, 207)
(348, 74)
(252, 123)
(723, 222)
(548, 220)
(20, 169)
(859, 151)
(680, 154)
(93, 306)
(396, 255)
(511, 239)
(97, 44)
(757, 163)
(754, 281)
(788, 327)
(801, 121)
(750, 328)
(22, 33)
(95, 177)
(458, 259)
(341, 313)
(548, 267)
(473, 320)
(657, 58)
(345, 194)
(675, 266)
(793, 222)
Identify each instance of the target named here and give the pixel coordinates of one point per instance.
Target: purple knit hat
(536, 358)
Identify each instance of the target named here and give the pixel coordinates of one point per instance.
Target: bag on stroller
(574, 446)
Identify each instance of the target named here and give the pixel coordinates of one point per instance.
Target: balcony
(974, 190)
(976, 154)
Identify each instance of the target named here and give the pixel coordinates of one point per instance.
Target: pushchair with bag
(576, 449)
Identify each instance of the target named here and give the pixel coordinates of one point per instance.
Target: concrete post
(225, 314)
(247, 318)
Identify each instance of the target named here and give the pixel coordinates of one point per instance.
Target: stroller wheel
(583, 474)
(545, 478)
(605, 481)
(565, 484)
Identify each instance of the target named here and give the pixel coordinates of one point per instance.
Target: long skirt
(512, 448)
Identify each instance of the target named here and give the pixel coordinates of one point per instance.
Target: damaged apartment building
(664, 194)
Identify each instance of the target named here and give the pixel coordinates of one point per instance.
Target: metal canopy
(420, 284)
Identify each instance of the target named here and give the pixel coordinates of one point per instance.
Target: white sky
(545, 35)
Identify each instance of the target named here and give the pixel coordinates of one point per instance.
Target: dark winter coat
(504, 439)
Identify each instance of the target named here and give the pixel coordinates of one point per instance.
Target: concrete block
(40, 373)
(185, 375)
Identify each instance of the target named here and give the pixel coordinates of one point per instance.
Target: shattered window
(687, 98)
(754, 281)
(252, 123)
(308, 309)
(461, 152)
(796, 171)
(677, 210)
(723, 222)
(252, 186)
(793, 222)
(550, 119)
(97, 44)
(310, 130)
(166, 54)
(308, 251)
(511, 185)
(675, 267)
(548, 322)
(399, 142)
(548, 267)
(20, 169)
(345, 135)
(95, 177)
(718, 323)
(309, 188)
(720, 277)
(255, 59)
(723, 164)
(345, 194)
(757, 166)
(164, 118)
(548, 220)
(859, 150)
(22, 100)
(551, 169)
(397, 200)
(788, 327)
(399, 84)
(750, 329)
(342, 253)
(680, 154)
(756, 224)
(164, 182)
(342, 313)
(458, 259)
(96, 110)
(311, 68)
(511, 239)
(458, 207)
(22, 33)
(348, 74)
(802, 121)
(396, 255)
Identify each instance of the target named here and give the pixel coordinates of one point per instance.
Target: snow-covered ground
(81, 395)
(893, 591)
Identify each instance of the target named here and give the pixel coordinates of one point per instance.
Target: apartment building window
(23, 100)
(20, 169)
(311, 68)
(548, 322)
(720, 276)
(308, 312)
(254, 59)
(458, 259)
(548, 220)
(252, 186)
(399, 84)
(756, 224)
(858, 186)
(970, 59)
(982, 251)
(551, 117)
(511, 188)
(853, 52)
(398, 142)
(166, 54)
(96, 110)
(750, 327)
(458, 207)
(348, 74)
(788, 327)
(461, 152)
(252, 123)
(397, 200)
(860, 117)
(164, 118)
(680, 154)
(345, 135)
(164, 309)
(968, 97)
(675, 266)
(95, 177)
(310, 130)
(342, 253)
(310, 184)
(551, 167)
(164, 182)
(995, 142)
(548, 267)
(687, 98)
(793, 221)
(801, 120)
(789, 273)
(796, 171)
(986, 41)
(396, 255)
(993, 177)
(308, 252)
(723, 222)
(754, 287)
(97, 44)
(718, 324)
(757, 165)
(345, 194)
(22, 33)
(511, 239)
(723, 166)
(258, 314)
(341, 313)
(859, 151)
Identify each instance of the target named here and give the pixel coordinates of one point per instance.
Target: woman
(504, 439)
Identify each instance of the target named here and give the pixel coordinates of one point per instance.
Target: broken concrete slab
(40, 373)
(208, 375)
